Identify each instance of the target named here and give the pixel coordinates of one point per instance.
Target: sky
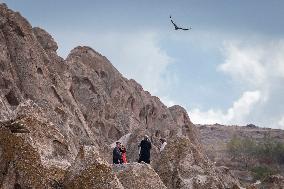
(228, 69)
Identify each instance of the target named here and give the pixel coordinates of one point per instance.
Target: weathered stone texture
(59, 119)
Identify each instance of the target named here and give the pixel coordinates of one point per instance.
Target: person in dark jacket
(116, 154)
(145, 147)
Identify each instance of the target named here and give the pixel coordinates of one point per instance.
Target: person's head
(118, 144)
(146, 137)
(162, 140)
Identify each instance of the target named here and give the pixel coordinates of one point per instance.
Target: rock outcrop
(89, 170)
(182, 165)
(32, 153)
(58, 119)
(274, 181)
(138, 176)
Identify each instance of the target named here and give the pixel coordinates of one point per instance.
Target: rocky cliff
(59, 119)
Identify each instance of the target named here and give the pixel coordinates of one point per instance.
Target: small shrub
(268, 151)
(262, 172)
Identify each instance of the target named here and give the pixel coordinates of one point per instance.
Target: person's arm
(119, 153)
(139, 148)
(162, 147)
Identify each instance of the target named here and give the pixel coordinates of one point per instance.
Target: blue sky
(229, 69)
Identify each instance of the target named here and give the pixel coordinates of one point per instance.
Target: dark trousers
(146, 160)
(116, 161)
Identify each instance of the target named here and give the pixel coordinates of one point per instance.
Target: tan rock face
(114, 106)
(138, 176)
(59, 118)
(91, 171)
(29, 156)
(181, 165)
(46, 40)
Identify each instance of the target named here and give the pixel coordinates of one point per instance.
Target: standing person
(163, 144)
(116, 154)
(145, 147)
(123, 154)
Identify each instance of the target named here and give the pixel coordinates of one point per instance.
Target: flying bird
(179, 28)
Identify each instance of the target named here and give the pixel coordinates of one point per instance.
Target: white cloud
(254, 65)
(277, 60)
(243, 106)
(234, 115)
(167, 101)
(258, 69)
(281, 122)
(244, 63)
(207, 117)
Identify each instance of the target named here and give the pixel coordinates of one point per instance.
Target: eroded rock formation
(59, 119)
(182, 165)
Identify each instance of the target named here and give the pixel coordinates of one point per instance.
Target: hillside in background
(250, 152)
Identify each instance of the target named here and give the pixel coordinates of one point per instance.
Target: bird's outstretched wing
(176, 27)
(186, 28)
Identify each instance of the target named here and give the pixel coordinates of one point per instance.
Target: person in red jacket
(123, 154)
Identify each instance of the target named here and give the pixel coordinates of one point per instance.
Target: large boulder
(33, 154)
(89, 170)
(138, 176)
(182, 165)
